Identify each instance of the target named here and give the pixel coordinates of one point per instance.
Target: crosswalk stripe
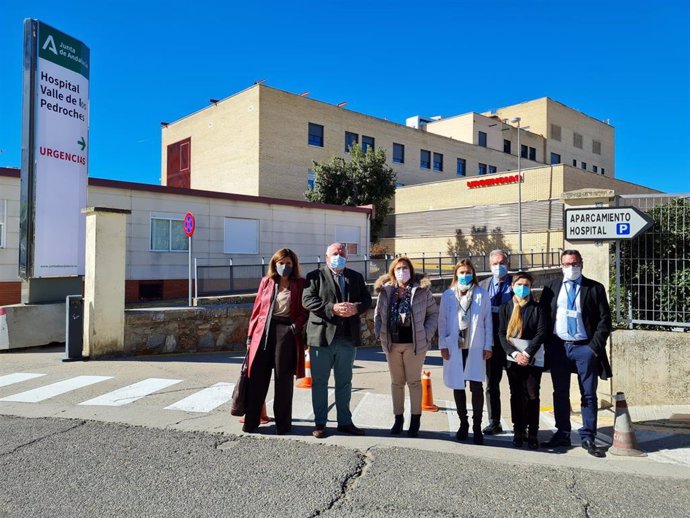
(17, 377)
(55, 389)
(205, 400)
(376, 411)
(453, 419)
(130, 393)
(302, 408)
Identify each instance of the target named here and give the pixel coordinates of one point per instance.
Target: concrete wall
(651, 367)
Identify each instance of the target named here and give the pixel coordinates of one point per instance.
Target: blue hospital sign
(605, 223)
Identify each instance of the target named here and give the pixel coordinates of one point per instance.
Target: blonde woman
(522, 322)
(405, 321)
(465, 338)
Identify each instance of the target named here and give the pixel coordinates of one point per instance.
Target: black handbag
(239, 393)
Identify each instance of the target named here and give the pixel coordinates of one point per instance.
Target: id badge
(466, 318)
(571, 313)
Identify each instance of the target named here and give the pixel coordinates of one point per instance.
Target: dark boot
(398, 425)
(477, 436)
(413, 431)
(464, 429)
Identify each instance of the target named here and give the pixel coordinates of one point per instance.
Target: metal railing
(652, 271)
(238, 279)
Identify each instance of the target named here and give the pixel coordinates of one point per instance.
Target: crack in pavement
(167, 426)
(39, 439)
(351, 481)
(583, 501)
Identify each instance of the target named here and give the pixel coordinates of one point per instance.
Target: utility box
(74, 328)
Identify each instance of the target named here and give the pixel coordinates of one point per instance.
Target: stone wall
(221, 327)
(651, 367)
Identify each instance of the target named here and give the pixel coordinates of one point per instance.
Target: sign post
(189, 225)
(605, 223)
(55, 145)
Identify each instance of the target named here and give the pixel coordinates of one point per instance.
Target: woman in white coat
(465, 338)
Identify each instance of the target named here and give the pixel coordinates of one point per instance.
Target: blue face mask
(499, 270)
(337, 262)
(521, 291)
(464, 279)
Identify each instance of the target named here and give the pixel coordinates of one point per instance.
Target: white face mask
(572, 273)
(499, 270)
(402, 275)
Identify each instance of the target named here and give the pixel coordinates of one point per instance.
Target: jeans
(339, 355)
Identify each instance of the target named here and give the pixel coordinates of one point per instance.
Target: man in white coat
(465, 338)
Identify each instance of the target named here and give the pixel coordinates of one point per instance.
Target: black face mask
(284, 270)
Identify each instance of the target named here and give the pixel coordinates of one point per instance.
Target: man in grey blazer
(500, 291)
(335, 296)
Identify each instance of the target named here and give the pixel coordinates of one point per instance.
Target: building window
(555, 158)
(311, 182)
(523, 151)
(367, 142)
(425, 159)
(350, 138)
(533, 154)
(492, 169)
(482, 169)
(461, 167)
(167, 234)
(398, 153)
(595, 169)
(574, 163)
(482, 139)
(315, 135)
(178, 172)
(556, 132)
(584, 165)
(349, 236)
(241, 236)
(438, 162)
(596, 147)
(507, 145)
(603, 171)
(577, 140)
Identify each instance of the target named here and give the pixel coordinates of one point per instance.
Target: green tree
(364, 179)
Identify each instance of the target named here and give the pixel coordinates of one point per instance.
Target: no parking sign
(189, 224)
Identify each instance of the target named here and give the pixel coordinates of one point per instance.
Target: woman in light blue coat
(465, 338)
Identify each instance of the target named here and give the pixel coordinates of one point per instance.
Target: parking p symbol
(623, 229)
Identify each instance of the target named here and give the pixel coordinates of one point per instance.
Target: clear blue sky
(152, 61)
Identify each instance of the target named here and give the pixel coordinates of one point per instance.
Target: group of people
(483, 329)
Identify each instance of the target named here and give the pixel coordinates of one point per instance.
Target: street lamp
(519, 153)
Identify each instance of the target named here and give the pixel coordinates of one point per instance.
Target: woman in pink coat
(274, 341)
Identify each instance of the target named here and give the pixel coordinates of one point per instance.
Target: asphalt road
(53, 468)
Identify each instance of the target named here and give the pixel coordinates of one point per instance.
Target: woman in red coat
(274, 341)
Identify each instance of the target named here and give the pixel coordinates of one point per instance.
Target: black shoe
(398, 425)
(249, 429)
(533, 442)
(463, 431)
(493, 428)
(414, 425)
(588, 444)
(557, 440)
(518, 439)
(351, 429)
(477, 436)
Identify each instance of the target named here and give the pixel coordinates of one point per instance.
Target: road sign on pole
(605, 223)
(189, 225)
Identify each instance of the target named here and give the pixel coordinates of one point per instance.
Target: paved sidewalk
(191, 393)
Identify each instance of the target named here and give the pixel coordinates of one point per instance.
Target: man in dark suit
(498, 286)
(335, 297)
(581, 324)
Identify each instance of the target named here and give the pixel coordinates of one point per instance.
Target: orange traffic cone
(306, 381)
(624, 440)
(264, 416)
(427, 394)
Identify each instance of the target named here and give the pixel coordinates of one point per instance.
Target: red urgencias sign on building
(492, 182)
